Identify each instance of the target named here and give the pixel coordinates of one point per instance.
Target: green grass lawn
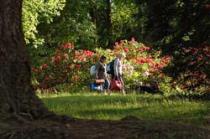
(116, 106)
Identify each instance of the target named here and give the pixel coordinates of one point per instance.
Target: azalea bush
(193, 70)
(143, 65)
(66, 66)
(71, 66)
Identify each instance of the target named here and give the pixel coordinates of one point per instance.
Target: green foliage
(35, 13)
(74, 25)
(124, 23)
(86, 23)
(192, 72)
(180, 28)
(101, 15)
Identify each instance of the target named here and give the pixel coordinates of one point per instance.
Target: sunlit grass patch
(117, 106)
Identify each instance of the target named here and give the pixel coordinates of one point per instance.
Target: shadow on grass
(195, 116)
(99, 99)
(117, 107)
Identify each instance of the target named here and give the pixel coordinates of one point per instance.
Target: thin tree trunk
(104, 23)
(109, 22)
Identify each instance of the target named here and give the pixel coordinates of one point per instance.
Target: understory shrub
(70, 66)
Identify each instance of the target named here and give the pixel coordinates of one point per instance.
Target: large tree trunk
(19, 105)
(16, 93)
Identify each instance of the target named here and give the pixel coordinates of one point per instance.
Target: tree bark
(109, 22)
(20, 108)
(104, 23)
(16, 93)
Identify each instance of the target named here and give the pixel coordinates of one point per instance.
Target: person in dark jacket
(101, 73)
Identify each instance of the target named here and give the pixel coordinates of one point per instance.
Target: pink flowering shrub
(67, 65)
(71, 66)
(143, 64)
(193, 72)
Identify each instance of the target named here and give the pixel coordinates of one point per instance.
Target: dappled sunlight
(104, 69)
(116, 107)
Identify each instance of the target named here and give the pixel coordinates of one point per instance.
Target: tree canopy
(170, 26)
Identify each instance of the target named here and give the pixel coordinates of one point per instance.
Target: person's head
(102, 59)
(121, 56)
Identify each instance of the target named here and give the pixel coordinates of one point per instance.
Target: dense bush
(71, 66)
(196, 76)
(178, 28)
(66, 66)
(181, 28)
(143, 65)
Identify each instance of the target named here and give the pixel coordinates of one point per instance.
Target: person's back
(118, 66)
(110, 68)
(101, 73)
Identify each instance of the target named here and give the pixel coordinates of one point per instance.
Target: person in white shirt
(118, 69)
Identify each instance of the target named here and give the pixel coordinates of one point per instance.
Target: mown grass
(116, 106)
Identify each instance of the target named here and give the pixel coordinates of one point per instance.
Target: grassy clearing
(115, 107)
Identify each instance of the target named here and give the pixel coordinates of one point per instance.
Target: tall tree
(109, 21)
(104, 23)
(158, 14)
(15, 73)
(18, 104)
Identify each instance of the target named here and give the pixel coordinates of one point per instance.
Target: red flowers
(88, 53)
(126, 50)
(142, 60)
(142, 49)
(65, 66)
(44, 66)
(154, 64)
(83, 55)
(67, 46)
(56, 59)
(69, 65)
(140, 54)
(78, 66)
(207, 7)
(197, 55)
(35, 70)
